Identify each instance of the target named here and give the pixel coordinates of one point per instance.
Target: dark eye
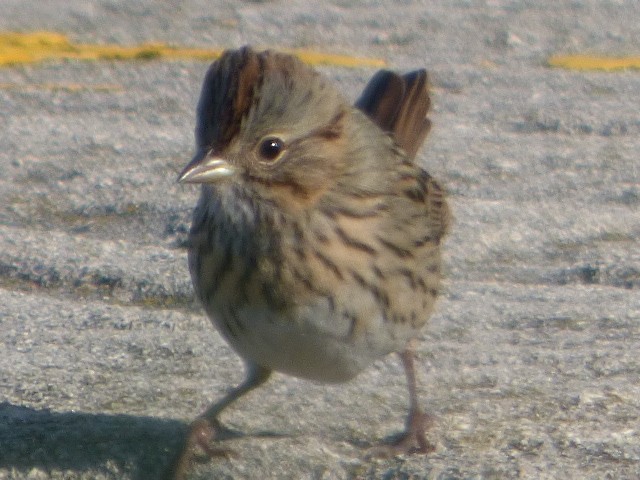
(271, 148)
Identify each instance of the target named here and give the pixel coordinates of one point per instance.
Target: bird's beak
(204, 168)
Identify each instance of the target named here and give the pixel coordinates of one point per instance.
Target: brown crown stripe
(238, 75)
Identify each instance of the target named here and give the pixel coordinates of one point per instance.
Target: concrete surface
(530, 365)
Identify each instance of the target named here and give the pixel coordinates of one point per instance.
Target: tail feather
(398, 104)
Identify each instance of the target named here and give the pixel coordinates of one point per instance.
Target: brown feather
(226, 96)
(398, 104)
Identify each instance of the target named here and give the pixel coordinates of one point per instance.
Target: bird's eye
(271, 148)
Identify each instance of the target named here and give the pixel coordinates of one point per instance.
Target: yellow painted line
(64, 87)
(318, 58)
(590, 62)
(20, 48)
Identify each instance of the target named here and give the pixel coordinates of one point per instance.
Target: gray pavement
(530, 365)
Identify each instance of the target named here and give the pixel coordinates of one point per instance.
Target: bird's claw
(411, 442)
(201, 433)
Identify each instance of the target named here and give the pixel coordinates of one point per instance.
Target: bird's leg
(204, 428)
(256, 376)
(413, 439)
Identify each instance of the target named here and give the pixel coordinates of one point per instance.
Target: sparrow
(315, 246)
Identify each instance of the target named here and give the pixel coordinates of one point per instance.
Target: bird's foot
(200, 436)
(202, 432)
(411, 442)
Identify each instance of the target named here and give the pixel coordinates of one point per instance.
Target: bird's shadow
(111, 445)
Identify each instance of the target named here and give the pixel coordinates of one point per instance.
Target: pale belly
(313, 343)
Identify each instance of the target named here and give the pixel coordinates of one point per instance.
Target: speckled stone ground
(530, 365)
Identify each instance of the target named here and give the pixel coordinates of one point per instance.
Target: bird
(316, 244)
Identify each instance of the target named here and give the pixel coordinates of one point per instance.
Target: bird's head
(270, 124)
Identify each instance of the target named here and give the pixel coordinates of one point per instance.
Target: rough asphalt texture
(530, 365)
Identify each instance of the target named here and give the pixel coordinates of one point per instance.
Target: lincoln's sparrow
(315, 246)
